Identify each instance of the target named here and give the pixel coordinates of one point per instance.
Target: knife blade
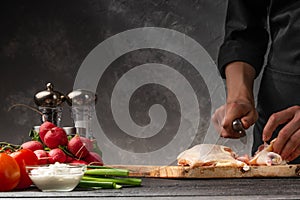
(238, 127)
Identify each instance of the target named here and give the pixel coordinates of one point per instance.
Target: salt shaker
(83, 109)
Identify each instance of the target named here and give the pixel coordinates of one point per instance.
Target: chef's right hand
(226, 114)
(240, 101)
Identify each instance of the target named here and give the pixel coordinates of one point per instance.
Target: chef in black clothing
(256, 30)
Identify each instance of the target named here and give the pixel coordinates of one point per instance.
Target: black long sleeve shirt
(251, 23)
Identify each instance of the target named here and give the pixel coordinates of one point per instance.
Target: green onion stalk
(105, 177)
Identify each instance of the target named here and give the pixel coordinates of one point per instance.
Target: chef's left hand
(287, 143)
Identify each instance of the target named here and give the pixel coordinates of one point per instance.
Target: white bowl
(56, 177)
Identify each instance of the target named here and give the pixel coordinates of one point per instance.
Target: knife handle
(238, 127)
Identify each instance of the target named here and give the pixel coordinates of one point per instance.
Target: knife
(238, 127)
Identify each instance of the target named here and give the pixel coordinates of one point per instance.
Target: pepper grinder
(83, 108)
(49, 103)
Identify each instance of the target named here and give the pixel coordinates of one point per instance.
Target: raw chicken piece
(245, 158)
(266, 156)
(209, 155)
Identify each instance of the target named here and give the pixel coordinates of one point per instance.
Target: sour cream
(56, 177)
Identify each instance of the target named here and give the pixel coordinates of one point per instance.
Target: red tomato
(9, 172)
(24, 157)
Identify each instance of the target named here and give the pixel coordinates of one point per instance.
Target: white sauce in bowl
(56, 177)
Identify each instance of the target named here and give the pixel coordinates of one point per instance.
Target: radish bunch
(53, 145)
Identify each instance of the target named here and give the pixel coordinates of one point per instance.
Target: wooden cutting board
(210, 172)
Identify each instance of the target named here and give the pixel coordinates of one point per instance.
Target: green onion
(97, 184)
(121, 181)
(107, 172)
(97, 177)
(98, 167)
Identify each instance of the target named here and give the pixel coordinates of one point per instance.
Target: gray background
(46, 41)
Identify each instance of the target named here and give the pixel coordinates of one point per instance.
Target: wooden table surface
(159, 188)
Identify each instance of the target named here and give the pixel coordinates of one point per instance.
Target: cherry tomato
(9, 172)
(24, 157)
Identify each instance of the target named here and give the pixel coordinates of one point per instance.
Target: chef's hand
(226, 114)
(240, 101)
(287, 143)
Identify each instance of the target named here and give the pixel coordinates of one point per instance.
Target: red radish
(44, 128)
(69, 159)
(57, 155)
(94, 158)
(88, 143)
(42, 156)
(77, 147)
(32, 145)
(55, 137)
(79, 162)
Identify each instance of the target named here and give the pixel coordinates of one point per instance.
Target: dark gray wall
(46, 41)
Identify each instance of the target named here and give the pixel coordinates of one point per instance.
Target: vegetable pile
(51, 144)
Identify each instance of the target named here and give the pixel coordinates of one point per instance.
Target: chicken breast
(209, 155)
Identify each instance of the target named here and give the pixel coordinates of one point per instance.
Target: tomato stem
(8, 147)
